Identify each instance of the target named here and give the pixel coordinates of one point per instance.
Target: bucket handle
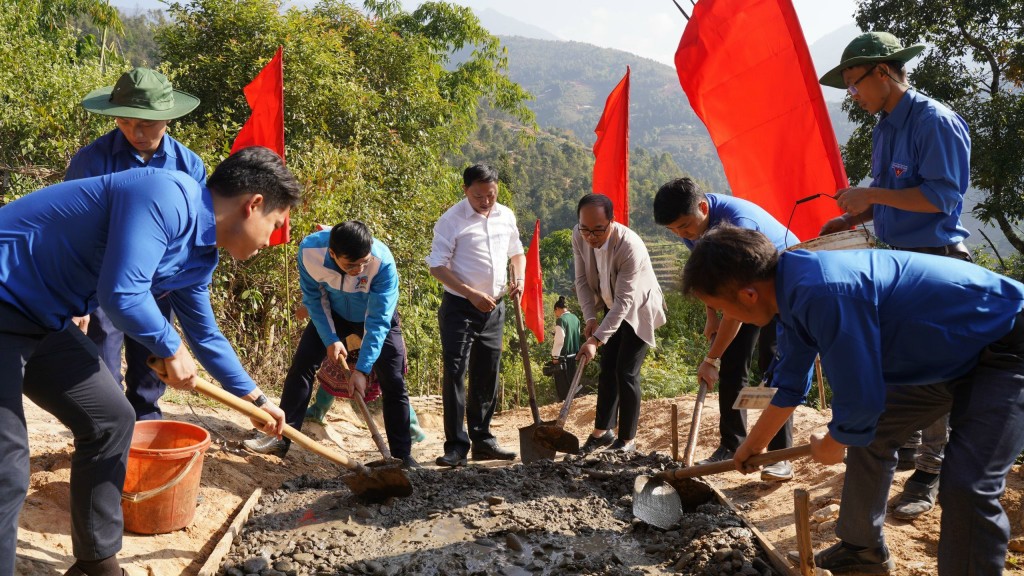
(146, 495)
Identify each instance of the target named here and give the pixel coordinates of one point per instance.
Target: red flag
(746, 68)
(611, 151)
(265, 127)
(533, 291)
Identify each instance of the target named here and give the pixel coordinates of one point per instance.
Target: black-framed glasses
(852, 88)
(596, 232)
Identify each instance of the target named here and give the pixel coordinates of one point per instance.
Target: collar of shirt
(469, 212)
(901, 113)
(121, 144)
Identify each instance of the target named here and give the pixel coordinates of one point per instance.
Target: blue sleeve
(315, 299)
(145, 225)
(380, 308)
(944, 150)
(194, 312)
(792, 374)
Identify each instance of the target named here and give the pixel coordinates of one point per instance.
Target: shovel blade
(379, 484)
(656, 502)
(556, 439)
(529, 449)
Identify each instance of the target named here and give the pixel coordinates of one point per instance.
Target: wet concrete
(572, 516)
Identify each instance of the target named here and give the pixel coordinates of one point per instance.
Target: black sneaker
(621, 445)
(451, 459)
(842, 557)
(602, 441)
(719, 455)
(408, 463)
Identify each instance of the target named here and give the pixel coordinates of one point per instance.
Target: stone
(303, 557)
(513, 542)
(284, 565)
(255, 564)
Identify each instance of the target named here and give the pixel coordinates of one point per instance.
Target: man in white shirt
(473, 242)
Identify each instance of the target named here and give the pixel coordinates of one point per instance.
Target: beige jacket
(638, 300)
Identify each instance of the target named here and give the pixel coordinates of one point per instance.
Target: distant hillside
(501, 25)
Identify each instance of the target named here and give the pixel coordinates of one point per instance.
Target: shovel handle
(524, 351)
(728, 465)
(365, 412)
(230, 400)
(574, 388)
(698, 409)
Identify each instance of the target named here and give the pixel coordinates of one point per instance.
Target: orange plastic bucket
(161, 485)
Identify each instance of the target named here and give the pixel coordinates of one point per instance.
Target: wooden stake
(802, 514)
(675, 432)
(821, 384)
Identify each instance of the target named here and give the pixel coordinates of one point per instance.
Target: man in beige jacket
(614, 274)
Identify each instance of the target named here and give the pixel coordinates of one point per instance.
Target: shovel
(659, 500)
(371, 424)
(698, 408)
(529, 449)
(375, 485)
(555, 436)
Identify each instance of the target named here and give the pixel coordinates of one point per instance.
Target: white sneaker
(778, 472)
(267, 445)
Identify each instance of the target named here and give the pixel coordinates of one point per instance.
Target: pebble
(254, 564)
(513, 542)
(495, 500)
(1017, 544)
(284, 565)
(303, 557)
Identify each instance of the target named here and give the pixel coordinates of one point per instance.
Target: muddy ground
(564, 519)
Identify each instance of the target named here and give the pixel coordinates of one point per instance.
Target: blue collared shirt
(369, 298)
(112, 152)
(921, 144)
(746, 214)
(120, 241)
(882, 318)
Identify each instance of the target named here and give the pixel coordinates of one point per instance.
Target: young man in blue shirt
(920, 170)
(904, 339)
(683, 208)
(141, 102)
(122, 241)
(349, 286)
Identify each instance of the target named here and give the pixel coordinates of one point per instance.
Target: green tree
(974, 63)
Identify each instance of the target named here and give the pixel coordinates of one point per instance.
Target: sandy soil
(229, 478)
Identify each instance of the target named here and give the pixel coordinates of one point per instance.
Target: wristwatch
(716, 362)
(260, 400)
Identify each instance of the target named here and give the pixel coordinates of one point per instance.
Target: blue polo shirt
(746, 214)
(120, 241)
(112, 152)
(882, 318)
(921, 144)
(369, 298)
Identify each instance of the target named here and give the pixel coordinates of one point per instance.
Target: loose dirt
(543, 518)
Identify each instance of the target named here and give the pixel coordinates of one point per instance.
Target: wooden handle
(698, 409)
(524, 351)
(231, 401)
(364, 411)
(574, 388)
(802, 514)
(728, 465)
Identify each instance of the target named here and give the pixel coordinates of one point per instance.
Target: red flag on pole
(533, 291)
(611, 151)
(265, 127)
(747, 71)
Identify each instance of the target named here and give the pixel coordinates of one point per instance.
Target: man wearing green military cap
(920, 168)
(141, 102)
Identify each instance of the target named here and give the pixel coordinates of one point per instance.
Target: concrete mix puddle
(572, 516)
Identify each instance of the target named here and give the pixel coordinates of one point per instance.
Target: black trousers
(63, 374)
(618, 387)
(389, 369)
(470, 341)
(735, 375)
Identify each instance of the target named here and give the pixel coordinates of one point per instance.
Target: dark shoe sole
(492, 456)
(449, 463)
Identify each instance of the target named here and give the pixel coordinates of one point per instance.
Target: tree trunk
(1007, 229)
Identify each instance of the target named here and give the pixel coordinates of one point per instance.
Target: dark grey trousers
(618, 386)
(63, 374)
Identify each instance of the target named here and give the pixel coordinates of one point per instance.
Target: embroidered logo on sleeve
(898, 169)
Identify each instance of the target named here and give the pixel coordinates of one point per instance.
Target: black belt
(957, 250)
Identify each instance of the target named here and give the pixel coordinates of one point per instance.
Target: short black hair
(256, 170)
(597, 200)
(680, 197)
(896, 67)
(351, 240)
(479, 173)
(560, 303)
(727, 257)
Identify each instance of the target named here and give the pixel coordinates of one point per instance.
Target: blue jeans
(62, 373)
(986, 417)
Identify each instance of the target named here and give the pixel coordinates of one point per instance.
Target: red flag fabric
(533, 291)
(747, 71)
(611, 151)
(265, 126)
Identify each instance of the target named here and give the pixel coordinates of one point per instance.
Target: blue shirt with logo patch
(112, 152)
(369, 298)
(746, 214)
(921, 144)
(120, 241)
(882, 318)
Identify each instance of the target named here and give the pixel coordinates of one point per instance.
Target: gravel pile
(572, 516)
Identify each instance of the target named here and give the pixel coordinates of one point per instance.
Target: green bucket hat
(141, 93)
(868, 48)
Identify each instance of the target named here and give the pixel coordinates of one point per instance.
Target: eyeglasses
(596, 232)
(852, 88)
(352, 266)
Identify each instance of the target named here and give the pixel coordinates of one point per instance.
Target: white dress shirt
(476, 248)
(603, 257)
(559, 339)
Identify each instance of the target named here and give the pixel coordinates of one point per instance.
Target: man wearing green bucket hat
(141, 102)
(920, 169)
